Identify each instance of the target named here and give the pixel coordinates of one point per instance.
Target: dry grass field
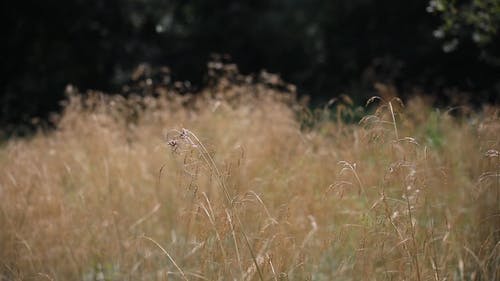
(243, 182)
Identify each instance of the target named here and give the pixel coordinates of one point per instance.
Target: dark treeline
(324, 47)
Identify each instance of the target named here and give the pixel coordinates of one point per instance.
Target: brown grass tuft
(250, 191)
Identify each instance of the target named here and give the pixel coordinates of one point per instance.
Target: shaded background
(444, 48)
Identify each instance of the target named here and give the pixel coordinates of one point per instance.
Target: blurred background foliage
(445, 48)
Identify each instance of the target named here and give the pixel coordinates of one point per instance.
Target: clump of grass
(120, 191)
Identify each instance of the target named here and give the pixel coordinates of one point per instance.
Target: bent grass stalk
(168, 256)
(187, 135)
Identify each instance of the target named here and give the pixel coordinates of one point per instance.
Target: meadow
(245, 182)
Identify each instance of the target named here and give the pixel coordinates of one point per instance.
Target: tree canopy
(324, 47)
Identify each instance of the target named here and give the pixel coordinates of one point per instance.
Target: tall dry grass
(244, 183)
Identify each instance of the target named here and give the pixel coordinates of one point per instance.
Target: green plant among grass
(434, 137)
